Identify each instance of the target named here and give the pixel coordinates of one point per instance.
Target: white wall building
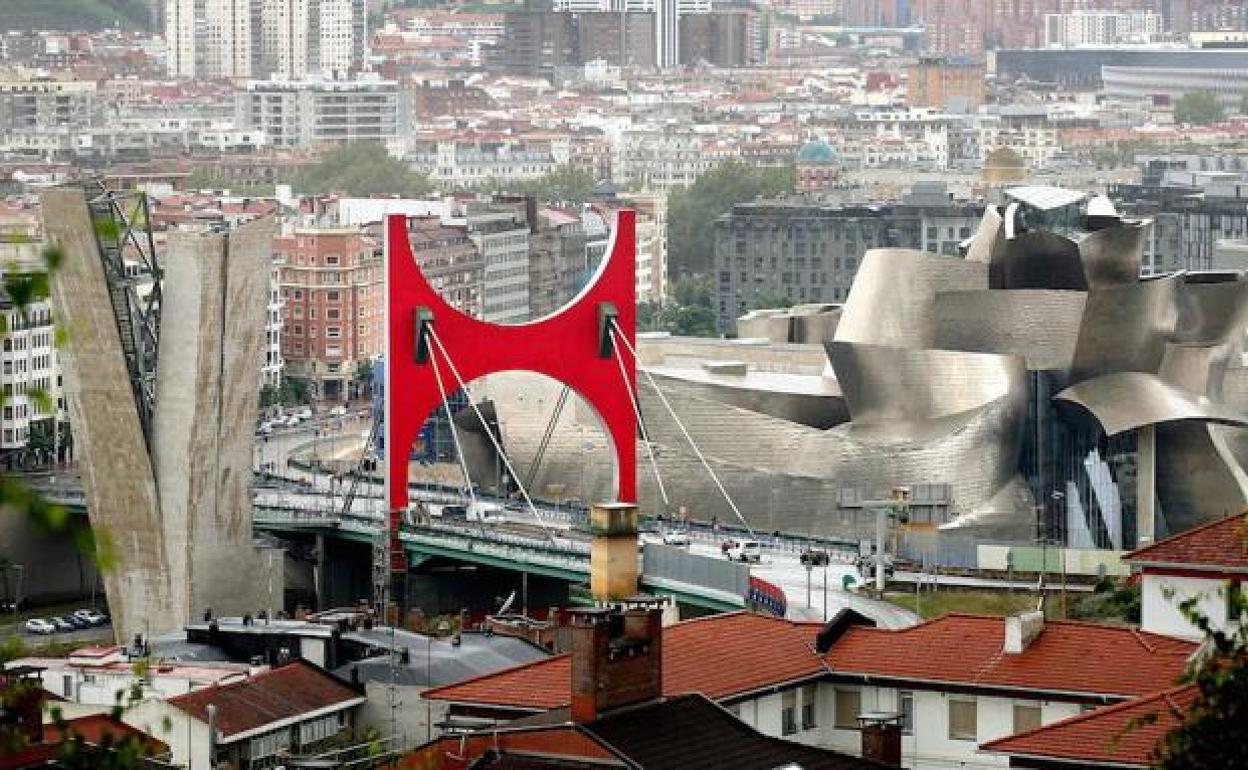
(1090, 28)
(284, 30)
(317, 111)
(1195, 565)
(502, 238)
(271, 370)
(181, 38)
(227, 39)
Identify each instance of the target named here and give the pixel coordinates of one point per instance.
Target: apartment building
(332, 306)
(502, 238)
(316, 112)
(450, 261)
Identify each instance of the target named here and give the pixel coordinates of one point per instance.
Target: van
(746, 551)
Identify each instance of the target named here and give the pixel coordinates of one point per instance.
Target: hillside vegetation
(74, 14)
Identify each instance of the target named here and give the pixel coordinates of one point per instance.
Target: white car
(265, 429)
(91, 616)
(305, 413)
(293, 420)
(676, 537)
(40, 626)
(338, 411)
(745, 550)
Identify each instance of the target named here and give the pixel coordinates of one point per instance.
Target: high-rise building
(449, 260)
(938, 81)
(502, 238)
(315, 111)
(284, 38)
(180, 38)
(667, 33)
(227, 39)
(333, 295)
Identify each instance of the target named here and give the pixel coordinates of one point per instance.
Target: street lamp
(896, 505)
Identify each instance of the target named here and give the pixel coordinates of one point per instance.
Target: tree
(692, 212)
(768, 301)
(563, 184)
(1198, 108)
(362, 168)
(689, 312)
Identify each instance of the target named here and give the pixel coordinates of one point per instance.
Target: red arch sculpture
(565, 346)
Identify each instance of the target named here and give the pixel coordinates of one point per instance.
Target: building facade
(333, 307)
(450, 261)
(322, 112)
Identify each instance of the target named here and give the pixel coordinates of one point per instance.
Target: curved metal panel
(1037, 260)
(883, 383)
(1125, 328)
(1212, 309)
(1130, 400)
(988, 238)
(1111, 257)
(892, 301)
(1041, 325)
(1198, 478)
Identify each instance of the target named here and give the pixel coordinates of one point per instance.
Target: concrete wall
(409, 720)
(117, 475)
(54, 568)
(207, 386)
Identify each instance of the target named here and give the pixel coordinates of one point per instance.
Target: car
(40, 626)
(91, 616)
(265, 429)
(338, 411)
(676, 537)
(62, 625)
(292, 421)
(304, 413)
(75, 621)
(745, 551)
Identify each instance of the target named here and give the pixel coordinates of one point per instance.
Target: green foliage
(1198, 108)
(1112, 601)
(363, 371)
(688, 312)
(767, 301)
(25, 15)
(692, 211)
(291, 392)
(362, 168)
(565, 184)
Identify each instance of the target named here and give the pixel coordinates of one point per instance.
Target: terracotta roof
(1125, 733)
(1222, 544)
(268, 697)
(1066, 656)
(756, 651)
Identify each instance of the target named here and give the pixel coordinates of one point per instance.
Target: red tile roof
(753, 651)
(268, 697)
(1066, 656)
(1222, 544)
(1125, 733)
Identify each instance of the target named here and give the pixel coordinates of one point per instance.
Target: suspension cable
(459, 449)
(433, 335)
(618, 334)
(641, 425)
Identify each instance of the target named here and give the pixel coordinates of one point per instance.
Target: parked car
(746, 550)
(40, 626)
(62, 625)
(677, 537)
(265, 428)
(304, 413)
(338, 411)
(91, 617)
(293, 420)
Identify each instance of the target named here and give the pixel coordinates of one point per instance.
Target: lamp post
(896, 505)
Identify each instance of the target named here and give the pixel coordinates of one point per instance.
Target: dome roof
(817, 151)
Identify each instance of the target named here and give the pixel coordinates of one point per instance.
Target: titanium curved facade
(1038, 375)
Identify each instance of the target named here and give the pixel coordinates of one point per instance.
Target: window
(848, 706)
(1026, 716)
(962, 725)
(810, 708)
(905, 705)
(788, 712)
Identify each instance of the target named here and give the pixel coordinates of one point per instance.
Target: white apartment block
(632, 6)
(284, 30)
(502, 238)
(1084, 28)
(28, 364)
(271, 369)
(318, 112)
(464, 164)
(661, 159)
(180, 38)
(227, 40)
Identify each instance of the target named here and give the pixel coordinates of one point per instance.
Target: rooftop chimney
(1021, 630)
(613, 551)
(617, 659)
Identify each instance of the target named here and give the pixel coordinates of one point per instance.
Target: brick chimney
(1021, 630)
(617, 659)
